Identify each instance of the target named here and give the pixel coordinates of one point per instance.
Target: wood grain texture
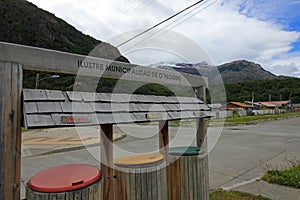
(10, 130)
(164, 149)
(190, 177)
(107, 161)
(33, 58)
(142, 183)
(138, 159)
(90, 192)
(201, 134)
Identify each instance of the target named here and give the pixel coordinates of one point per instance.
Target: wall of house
(241, 113)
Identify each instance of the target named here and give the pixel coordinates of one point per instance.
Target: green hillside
(284, 87)
(24, 23)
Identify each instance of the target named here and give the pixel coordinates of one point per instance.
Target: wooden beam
(164, 138)
(33, 58)
(10, 130)
(201, 125)
(201, 141)
(164, 149)
(106, 146)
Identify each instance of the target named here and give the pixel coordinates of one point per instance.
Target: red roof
(278, 103)
(243, 105)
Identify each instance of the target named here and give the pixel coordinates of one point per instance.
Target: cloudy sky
(266, 32)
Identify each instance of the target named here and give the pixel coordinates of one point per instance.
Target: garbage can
(140, 176)
(74, 181)
(188, 173)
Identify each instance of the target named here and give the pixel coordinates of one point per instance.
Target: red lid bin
(64, 178)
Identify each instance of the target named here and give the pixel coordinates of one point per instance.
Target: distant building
(238, 106)
(267, 106)
(256, 106)
(215, 107)
(274, 104)
(296, 107)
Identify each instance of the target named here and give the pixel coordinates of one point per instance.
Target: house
(238, 106)
(267, 106)
(256, 106)
(274, 104)
(296, 107)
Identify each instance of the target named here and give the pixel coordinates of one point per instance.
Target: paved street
(242, 153)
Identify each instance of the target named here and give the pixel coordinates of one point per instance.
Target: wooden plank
(154, 183)
(97, 190)
(164, 187)
(206, 179)
(198, 177)
(39, 120)
(150, 183)
(144, 183)
(84, 194)
(138, 194)
(175, 177)
(107, 161)
(76, 107)
(54, 95)
(34, 95)
(195, 185)
(40, 59)
(159, 183)
(30, 107)
(10, 130)
(74, 96)
(131, 179)
(77, 195)
(48, 107)
(201, 128)
(69, 196)
(185, 178)
(53, 196)
(61, 196)
(164, 139)
(164, 149)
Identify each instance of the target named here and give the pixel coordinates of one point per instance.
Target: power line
(156, 25)
(160, 32)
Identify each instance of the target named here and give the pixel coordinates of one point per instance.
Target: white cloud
(224, 32)
(291, 69)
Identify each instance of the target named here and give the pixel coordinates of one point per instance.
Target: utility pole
(280, 97)
(37, 77)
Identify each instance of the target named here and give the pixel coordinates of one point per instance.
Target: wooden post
(201, 140)
(107, 161)
(10, 130)
(201, 122)
(164, 138)
(164, 149)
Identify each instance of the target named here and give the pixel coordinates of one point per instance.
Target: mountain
(24, 23)
(242, 70)
(235, 71)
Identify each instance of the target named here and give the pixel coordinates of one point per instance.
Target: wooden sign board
(33, 58)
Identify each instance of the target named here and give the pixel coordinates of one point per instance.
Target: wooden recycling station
(18, 104)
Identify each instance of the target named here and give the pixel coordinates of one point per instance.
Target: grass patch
(247, 119)
(289, 177)
(234, 195)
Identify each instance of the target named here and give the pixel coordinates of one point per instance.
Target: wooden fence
(14, 58)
